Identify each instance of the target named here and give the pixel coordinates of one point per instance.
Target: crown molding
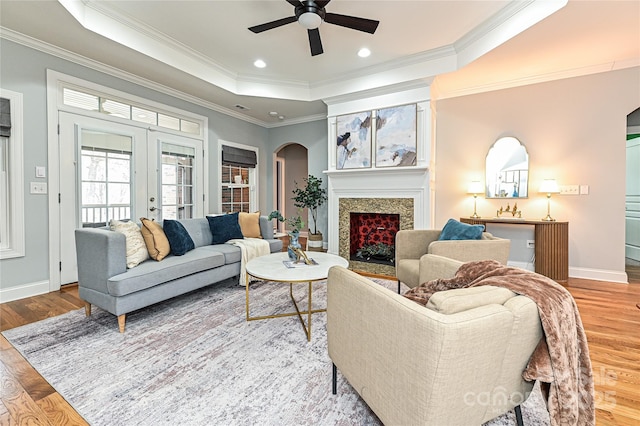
(438, 93)
(44, 47)
(511, 20)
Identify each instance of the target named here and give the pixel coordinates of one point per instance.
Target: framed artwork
(396, 136)
(353, 141)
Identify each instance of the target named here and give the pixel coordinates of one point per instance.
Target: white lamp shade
(310, 20)
(475, 187)
(549, 186)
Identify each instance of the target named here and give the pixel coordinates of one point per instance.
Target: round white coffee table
(272, 268)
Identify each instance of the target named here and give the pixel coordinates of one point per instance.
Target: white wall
(574, 130)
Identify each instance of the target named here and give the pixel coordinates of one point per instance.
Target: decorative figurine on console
(514, 212)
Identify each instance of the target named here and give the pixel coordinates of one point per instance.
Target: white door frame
(55, 83)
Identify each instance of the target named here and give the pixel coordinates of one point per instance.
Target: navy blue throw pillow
(455, 230)
(179, 239)
(224, 228)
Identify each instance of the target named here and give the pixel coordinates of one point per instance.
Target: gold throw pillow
(155, 239)
(250, 224)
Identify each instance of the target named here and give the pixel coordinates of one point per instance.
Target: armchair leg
(334, 384)
(518, 415)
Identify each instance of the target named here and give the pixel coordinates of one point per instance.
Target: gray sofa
(105, 281)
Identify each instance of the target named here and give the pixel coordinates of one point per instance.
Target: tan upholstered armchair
(458, 361)
(411, 245)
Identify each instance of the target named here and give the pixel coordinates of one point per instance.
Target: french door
(110, 170)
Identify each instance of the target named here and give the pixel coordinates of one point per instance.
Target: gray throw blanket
(561, 359)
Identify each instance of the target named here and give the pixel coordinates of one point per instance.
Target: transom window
(123, 109)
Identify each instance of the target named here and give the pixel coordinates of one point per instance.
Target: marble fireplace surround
(403, 191)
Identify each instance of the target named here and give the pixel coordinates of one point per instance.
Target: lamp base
(548, 219)
(475, 216)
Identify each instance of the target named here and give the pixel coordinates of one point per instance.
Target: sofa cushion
(135, 247)
(224, 228)
(455, 230)
(155, 239)
(198, 229)
(250, 224)
(179, 239)
(231, 253)
(149, 274)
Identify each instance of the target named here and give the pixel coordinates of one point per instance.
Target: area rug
(195, 360)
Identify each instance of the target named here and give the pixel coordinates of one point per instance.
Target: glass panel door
(178, 177)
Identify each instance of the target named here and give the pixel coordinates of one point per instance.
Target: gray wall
(23, 70)
(574, 130)
(314, 137)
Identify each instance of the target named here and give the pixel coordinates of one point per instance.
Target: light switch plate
(41, 172)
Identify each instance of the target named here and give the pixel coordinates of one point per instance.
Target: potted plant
(311, 197)
(294, 224)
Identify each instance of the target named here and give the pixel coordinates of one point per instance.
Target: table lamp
(475, 188)
(549, 186)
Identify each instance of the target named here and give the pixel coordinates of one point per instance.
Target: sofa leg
(398, 286)
(87, 309)
(121, 320)
(334, 386)
(518, 415)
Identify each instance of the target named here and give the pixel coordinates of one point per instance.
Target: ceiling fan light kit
(310, 14)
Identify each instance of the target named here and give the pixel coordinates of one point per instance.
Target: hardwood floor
(608, 310)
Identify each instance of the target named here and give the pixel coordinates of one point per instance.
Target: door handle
(153, 209)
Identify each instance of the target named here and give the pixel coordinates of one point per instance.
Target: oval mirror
(507, 169)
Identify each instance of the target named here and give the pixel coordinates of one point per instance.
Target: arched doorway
(290, 167)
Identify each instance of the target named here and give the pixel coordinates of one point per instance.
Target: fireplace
(351, 212)
(401, 191)
(372, 237)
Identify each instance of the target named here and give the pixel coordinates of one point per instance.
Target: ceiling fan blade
(314, 42)
(353, 22)
(322, 4)
(294, 3)
(273, 24)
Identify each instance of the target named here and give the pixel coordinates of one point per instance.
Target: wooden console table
(551, 244)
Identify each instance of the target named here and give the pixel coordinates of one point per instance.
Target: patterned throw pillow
(224, 228)
(250, 224)
(179, 239)
(155, 239)
(135, 247)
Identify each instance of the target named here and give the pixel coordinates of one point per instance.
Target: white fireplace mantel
(396, 182)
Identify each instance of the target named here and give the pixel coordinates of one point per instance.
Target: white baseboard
(22, 291)
(599, 275)
(584, 273)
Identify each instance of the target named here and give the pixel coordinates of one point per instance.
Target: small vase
(293, 243)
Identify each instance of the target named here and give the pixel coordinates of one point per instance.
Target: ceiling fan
(310, 15)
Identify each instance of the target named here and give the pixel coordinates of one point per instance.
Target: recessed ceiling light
(259, 63)
(364, 52)
(273, 113)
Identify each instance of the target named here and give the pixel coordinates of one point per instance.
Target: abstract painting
(396, 136)
(353, 141)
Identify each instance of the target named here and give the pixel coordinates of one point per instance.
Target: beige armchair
(411, 245)
(458, 361)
